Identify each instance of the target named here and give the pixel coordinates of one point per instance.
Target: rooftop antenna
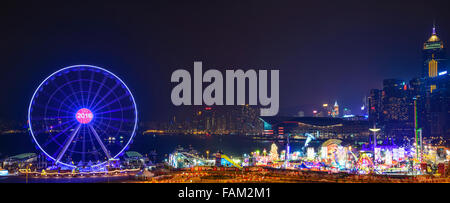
(434, 26)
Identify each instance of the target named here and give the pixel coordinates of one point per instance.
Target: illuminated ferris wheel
(82, 115)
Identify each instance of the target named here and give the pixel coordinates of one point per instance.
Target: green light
(433, 46)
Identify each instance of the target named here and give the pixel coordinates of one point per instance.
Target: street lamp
(374, 130)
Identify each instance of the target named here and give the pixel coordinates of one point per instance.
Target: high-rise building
(433, 56)
(397, 104)
(347, 112)
(335, 111)
(325, 111)
(392, 108)
(432, 91)
(375, 106)
(434, 106)
(364, 107)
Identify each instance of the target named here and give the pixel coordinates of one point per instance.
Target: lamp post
(374, 130)
(286, 156)
(27, 168)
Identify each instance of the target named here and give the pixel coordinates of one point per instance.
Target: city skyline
(365, 48)
(225, 92)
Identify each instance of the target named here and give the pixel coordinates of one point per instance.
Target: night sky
(325, 50)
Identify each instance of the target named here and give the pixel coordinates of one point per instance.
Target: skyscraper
(433, 98)
(375, 106)
(433, 56)
(335, 112)
(325, 111)
(397, 105)
(392, 108)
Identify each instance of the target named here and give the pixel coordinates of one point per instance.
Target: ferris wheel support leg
(100, 142)
(66, 145)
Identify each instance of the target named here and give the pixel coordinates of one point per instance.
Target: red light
(84, 116)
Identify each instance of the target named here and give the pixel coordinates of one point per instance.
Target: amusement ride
(82, 116)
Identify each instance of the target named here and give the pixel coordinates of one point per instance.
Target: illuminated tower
(335, 112)
(434, 55)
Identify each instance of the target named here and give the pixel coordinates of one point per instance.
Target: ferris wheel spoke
(64, 94)
(116, 110)
(100, 142)
(66, 145)
(112, 102)
(57, 135)
(90, 87)
(106, 95)
(108, 126)
(59, 89)
(77, 100)
(72, 149)
(93, 146)
(98, 91)
(81, 88)
(61, 102)
(52, 108)
(117, 119)
(41, 118)
(55, 126)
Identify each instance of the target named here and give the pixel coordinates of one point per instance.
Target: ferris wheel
(82, 115)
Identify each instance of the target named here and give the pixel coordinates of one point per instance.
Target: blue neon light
(79, 104)
(3, 172)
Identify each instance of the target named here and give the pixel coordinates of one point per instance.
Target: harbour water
(232, 145)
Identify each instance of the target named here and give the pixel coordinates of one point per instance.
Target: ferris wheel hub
(84, 116)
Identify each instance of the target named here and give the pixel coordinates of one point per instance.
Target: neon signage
(84, 116)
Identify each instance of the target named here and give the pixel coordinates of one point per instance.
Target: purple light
(84, 116)
(77, 98)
